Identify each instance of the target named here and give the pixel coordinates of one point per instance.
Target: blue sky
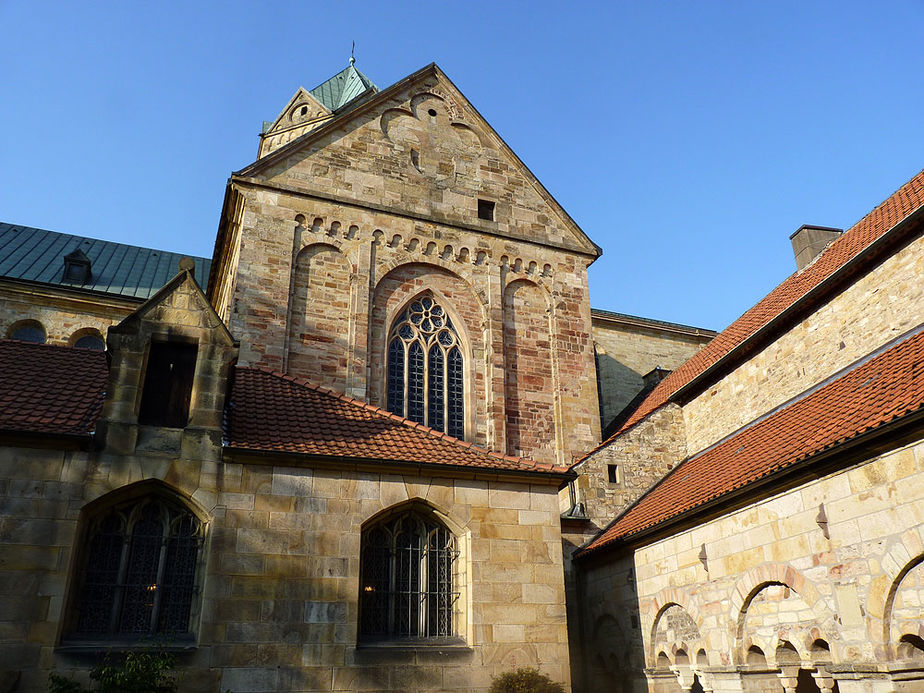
(688, 139)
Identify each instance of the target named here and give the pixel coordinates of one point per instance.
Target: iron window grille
(406, 585)
(425, 368)
(139, 578)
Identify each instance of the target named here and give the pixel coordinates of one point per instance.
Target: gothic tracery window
(139, 578)
(425, 368)
(406, 585)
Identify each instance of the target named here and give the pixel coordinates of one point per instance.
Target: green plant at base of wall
(136, 672)
(524, 680)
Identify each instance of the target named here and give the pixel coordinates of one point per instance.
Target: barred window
(425, 368)
(406, 585)
(139, 575)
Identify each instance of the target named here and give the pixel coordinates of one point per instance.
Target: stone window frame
(461, 343)
(455, 593)
(128, 505)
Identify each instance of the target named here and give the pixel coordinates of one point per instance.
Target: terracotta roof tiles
(871, 394)
(897, 207)
(272, 412)
(50, 389)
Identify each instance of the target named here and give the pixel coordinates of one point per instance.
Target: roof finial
(352, 50)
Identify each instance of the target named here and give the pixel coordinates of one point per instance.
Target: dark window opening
(139, 572)
(90, 341)
(612, 471)
(304, 110)
(486, 210)
(432, 113)
(168, 384)
(406, 584)
(425, 368)
(29, 331)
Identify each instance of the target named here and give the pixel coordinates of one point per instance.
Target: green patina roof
(37, 255)
(342, 88)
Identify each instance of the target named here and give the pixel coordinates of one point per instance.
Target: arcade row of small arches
(447, 253)
(809, 642)
(34, 332)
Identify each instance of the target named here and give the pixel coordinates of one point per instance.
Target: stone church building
(359, 448)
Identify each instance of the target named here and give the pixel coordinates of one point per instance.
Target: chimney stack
(808, 241)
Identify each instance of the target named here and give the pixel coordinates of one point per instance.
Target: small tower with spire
(308, 110)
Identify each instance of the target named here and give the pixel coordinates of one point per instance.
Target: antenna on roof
(352, 50)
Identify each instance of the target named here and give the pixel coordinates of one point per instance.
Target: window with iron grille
(406, 585)
(139, 572)
(425, 368)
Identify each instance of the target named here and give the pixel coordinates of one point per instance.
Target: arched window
(406, 585)
(139, 572)
(27, 331)
(425, 368)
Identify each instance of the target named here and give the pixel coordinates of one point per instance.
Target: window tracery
(139, 576)
(406, 586)
(425, 368)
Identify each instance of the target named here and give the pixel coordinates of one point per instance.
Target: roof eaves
(723, 502)
(809, 300)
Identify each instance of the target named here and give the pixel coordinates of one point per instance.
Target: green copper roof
(342, 88)
(37, 255)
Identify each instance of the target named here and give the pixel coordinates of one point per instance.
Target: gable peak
(308, 109)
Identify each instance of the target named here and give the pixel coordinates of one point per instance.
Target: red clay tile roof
(897, 207)
(50, 389)
(871, 394)
(278, 413)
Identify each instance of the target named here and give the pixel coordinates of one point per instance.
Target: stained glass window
(406, 586)
(425, 368)
(140, 575)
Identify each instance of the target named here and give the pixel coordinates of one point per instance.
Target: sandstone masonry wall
(884, 304)
(625, 353)
(772, 576)
(62, 318)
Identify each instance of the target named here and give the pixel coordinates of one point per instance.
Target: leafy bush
(137, 672)
(524, 680)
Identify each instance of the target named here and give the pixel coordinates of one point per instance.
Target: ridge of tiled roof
(50, 389)
(869, 394)
(897, 207)
(273, 412)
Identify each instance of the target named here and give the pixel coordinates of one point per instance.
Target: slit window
(486, 210)
(168, 384)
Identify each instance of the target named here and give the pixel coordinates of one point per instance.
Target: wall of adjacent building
(627, 349)
(770, 576)
(281, 585)
(63, 317)
(878, 307)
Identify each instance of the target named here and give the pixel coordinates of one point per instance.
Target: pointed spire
(352, 51)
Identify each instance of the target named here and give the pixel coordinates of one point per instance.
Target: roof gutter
(800, 306)
(856, 449)
(376, 464)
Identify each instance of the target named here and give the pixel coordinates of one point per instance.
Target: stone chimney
(808, 242)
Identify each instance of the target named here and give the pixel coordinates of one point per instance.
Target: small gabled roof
(271, 412)
(52, 390)
(37, 255)
(864, 397)
(888, 215)
(342, 88)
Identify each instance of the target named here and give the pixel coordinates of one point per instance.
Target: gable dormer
(308, 110)
(170, 363)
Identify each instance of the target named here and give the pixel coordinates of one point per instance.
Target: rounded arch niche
(317, 338)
